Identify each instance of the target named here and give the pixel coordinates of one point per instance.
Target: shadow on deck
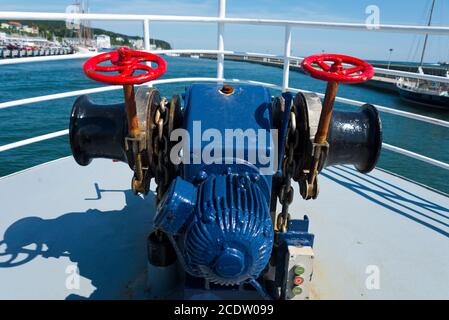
(108, 246)
(392, 197)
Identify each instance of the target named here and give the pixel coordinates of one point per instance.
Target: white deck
(361, 224)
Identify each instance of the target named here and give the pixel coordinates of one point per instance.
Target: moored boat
(424, 92)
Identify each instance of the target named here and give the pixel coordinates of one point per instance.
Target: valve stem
(131, 112)
(323, 127)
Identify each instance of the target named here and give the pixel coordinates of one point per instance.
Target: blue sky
(265, 39)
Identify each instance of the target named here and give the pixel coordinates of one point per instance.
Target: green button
(298, 270)
(297, 290)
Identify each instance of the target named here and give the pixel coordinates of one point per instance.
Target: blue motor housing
(224, 230)
(217, 214)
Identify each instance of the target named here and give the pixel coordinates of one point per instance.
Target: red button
(298, 281)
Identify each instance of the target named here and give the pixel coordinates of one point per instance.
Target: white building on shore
(32, 29)
(103, 41)
(17, 26)
(136, 43)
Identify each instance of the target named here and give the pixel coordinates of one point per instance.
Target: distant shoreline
(57, 30)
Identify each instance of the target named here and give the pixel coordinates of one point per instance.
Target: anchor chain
(165, 119)
(153, 164)
(289, 164)
(160, 149)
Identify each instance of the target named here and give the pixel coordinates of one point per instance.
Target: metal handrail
(378, 71)
(221, 20)
(438, 30)
(21, 102)
(416, 156)
(174, 80)
(25, 142)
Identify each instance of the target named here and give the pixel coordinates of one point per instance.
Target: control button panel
(299, 272)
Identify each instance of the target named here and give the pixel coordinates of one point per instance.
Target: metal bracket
(308, 185)
(137, 146)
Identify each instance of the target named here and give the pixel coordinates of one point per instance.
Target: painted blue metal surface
(228, 237)
(298, 234)
(207, 111)
(231, 235)
(177, 206)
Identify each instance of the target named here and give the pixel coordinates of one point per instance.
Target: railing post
(220, 39)
(146, 42)
(146, 34)
(287, 54)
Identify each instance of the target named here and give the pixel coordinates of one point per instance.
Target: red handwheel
(126, 62)
(357, 71)
(335, 69)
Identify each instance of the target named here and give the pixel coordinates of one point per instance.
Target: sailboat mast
(427, 35)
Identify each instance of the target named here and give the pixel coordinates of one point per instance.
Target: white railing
(378, 71)
(221, 20)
